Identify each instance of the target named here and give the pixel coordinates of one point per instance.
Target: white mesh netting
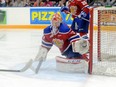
(104, 43)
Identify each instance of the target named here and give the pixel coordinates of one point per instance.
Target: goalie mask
(56, 20)
(55, 23)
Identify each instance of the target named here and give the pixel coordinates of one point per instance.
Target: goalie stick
(38, 66)
(36, 70)
(29, 63)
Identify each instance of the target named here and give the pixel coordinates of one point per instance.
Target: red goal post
(91, 41)
(102, 35)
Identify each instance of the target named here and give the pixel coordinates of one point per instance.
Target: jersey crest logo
(59, 43)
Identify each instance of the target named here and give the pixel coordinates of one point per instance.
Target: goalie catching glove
(81, 46)
(42, 54)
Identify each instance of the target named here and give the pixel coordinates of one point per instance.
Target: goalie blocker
(72, 65)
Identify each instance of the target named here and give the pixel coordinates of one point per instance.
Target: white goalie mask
(55, 22)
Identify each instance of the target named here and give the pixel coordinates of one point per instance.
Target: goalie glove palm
(42, 54)
(81, 46)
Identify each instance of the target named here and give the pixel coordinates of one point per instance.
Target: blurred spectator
(2, 3)
(51, 3)
(32, 1)
(62, 3)
(48, 3)
(27, 3)
(67, 3)
(55, 4)
(9, 3)
(18, 3)
(38, 3)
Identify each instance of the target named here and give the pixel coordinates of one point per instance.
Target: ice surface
(18, 46)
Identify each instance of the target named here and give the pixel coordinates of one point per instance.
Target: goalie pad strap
(66, 60)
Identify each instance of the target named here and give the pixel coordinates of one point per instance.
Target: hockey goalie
(73, 47)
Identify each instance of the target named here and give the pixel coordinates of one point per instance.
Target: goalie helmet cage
(102, 33)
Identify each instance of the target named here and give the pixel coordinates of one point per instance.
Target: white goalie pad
(81, 46)
(71, 65)
(42, 54)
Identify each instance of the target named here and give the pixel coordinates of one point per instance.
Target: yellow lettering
(34, 15)
(39, 17)
(71, 18)
(59, 13)
(67, 16)
(51, 14)
(44, 14)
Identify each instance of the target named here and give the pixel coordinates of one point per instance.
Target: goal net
(102, 41)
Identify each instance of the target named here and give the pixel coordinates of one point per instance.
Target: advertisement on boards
(43, 15)
(108, 17)
(2, 17)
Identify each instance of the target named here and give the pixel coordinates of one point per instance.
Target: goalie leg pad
(71, 65)
(42, 54)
